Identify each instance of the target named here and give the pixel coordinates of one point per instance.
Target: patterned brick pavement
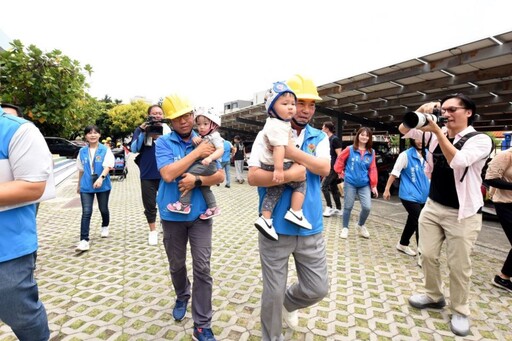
(121, 289)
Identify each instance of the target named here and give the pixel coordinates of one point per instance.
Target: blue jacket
(312, 206)
(169, 149)
(357, 168)
(414, 184)
(18, 234)
(86, 181)
(147, 166)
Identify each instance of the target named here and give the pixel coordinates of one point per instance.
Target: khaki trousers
(438, 223)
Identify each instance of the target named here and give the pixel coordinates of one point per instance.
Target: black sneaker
(502, 283)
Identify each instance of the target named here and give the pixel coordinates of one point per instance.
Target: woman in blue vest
(413, 192)
(356, 164)
(94, 163)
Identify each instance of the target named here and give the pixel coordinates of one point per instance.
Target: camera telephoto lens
(414, 119)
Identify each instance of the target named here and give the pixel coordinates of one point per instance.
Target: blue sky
(217, 51)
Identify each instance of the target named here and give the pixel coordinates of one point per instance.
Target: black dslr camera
(414, 119)
(154, 126)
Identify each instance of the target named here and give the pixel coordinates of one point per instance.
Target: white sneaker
(344, 233)
(266, 228)
(83, 245)
(298, 219)
(459, 325)
(363, 231)
(405, 249)
(328, 212)
(422, 301)
(337, 212)
(153, 238)
(291, 318)
(104, 231)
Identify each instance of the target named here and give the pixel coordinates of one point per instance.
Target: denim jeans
(365, 199)
(20, 307)
(87, 201)
(226, 166)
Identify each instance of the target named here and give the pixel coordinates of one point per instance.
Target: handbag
(340, 189)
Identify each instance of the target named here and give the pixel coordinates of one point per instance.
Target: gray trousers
(198, 168)
(239, 170)
(176, 237)
(312, 285)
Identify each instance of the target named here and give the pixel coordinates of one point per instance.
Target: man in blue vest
(229, 151)
(25, 166)
(175, 153)
(312, 160)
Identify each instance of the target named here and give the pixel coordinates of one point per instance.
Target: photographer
(143, 143)
(453, 208)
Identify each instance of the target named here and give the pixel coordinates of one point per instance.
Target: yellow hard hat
(303, 87)
(109, 139)
(175, 106)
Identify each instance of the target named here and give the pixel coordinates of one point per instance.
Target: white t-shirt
(322, 150)
(215, 139)
(275, 133)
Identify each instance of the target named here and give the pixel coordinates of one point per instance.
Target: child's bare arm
(214, 156)
(197, 140)
(278, 156)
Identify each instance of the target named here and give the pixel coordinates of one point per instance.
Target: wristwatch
(198, 182)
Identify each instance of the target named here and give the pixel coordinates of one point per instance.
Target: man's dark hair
(466, 102)
(19, 112)
(329, 125)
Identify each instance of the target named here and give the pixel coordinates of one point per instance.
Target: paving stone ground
(121, 288)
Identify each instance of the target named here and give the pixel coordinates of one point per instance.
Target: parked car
(63, 147)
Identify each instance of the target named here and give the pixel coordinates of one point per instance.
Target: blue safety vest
(312, 206)
(86, 181)
(172, 148)
(18, 234)
(414, 184)
(357, 168)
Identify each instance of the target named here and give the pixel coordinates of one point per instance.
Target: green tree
(49, 86)
(124, 118)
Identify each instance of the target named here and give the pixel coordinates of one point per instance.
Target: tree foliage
(124, 118)
(50, 87)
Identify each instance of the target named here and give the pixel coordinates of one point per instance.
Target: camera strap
(424, 146)
(463, 140)
(91, 159)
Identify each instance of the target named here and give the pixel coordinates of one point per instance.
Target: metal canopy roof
(379, 99)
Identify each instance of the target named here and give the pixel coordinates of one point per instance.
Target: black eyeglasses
(451, 110)
(184, 117)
